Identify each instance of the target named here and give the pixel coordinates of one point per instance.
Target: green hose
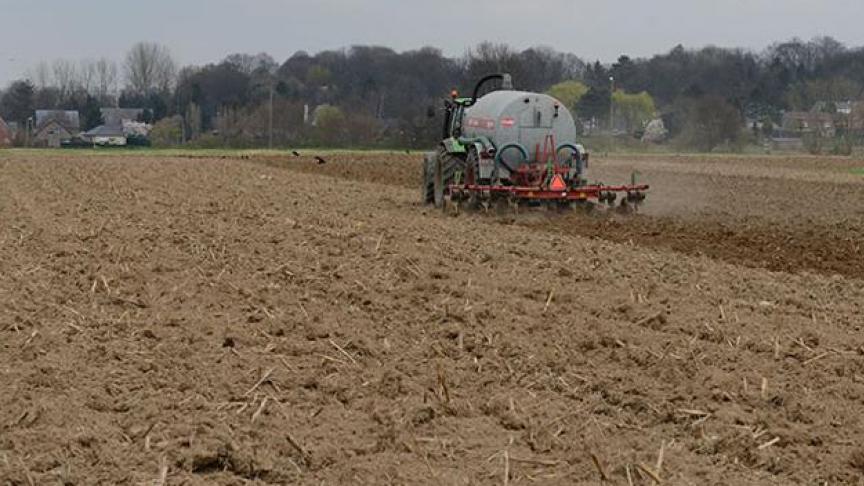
(512, 145)
(579, 162)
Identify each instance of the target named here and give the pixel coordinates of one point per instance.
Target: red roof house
(5, 134)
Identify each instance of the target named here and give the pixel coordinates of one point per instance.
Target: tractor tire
(447, 166)
(472, 176)
(427, 190)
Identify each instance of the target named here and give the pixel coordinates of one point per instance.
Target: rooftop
(70, 120)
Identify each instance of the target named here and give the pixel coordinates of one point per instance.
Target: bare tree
(106, 77)
(248, 63)
(65, 77)
(149, 67)
(489, 57)
(87, 75)
(41, 75)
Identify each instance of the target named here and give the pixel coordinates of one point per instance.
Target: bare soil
(788, 214)
(218, 321)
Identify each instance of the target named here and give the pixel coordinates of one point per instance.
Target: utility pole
(611, 103)
(182, 117)
(611, 112)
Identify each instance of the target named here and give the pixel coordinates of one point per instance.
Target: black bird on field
(295, 153)
(320, 160)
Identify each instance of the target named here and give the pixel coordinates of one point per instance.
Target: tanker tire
(446, 167)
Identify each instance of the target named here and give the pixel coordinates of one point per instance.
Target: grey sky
(200, 31)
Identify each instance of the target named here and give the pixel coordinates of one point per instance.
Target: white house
(106, 135)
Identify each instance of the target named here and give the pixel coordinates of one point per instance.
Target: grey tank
(518, 116)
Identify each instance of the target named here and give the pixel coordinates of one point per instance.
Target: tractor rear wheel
(447, 166)
(427, 190)
(472, 176)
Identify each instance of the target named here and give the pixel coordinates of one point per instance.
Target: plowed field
(276, 321)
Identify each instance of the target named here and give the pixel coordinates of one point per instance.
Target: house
(106, 135)
(5, 134)
(53, 127)
(844, 107)
(838, 107)
(52, 134)
(116, 117)
(849, 118)
(119, 125)
(799, 123)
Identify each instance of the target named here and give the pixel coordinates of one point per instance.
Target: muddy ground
(220, 321)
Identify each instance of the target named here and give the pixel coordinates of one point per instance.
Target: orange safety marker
(558, 183)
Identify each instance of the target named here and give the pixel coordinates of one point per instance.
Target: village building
(119, 125)
(106, 135)
(116, 117)
(800, 123)
(5, 134)
(54, 127)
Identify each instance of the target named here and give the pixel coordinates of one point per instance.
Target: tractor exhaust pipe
(506, 84)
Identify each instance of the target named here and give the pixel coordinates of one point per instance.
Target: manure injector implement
(514, 148)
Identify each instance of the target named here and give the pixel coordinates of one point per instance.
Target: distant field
(181, 152)
(599, 147)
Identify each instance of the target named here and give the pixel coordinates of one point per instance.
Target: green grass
(859, 171)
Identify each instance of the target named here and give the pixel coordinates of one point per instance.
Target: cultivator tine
(514, 205)
(500, 206)
(451, 205)
(628, 207)
(624, 207)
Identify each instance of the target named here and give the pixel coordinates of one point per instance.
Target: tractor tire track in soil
(760, 212)
(222, 322)
(829, 250)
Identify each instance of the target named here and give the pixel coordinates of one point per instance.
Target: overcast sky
(200, 31)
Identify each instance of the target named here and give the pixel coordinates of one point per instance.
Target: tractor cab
(454, 113)
(454, 108)
(454, 117)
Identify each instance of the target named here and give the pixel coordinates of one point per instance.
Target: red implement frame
(582, 193)
(535, 182)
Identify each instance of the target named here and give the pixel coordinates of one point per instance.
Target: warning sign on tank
(508, 122)
(481, 123)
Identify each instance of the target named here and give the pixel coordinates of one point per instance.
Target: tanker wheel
(446, 167)
(427, 189)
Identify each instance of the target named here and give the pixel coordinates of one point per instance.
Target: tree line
(373, 96)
